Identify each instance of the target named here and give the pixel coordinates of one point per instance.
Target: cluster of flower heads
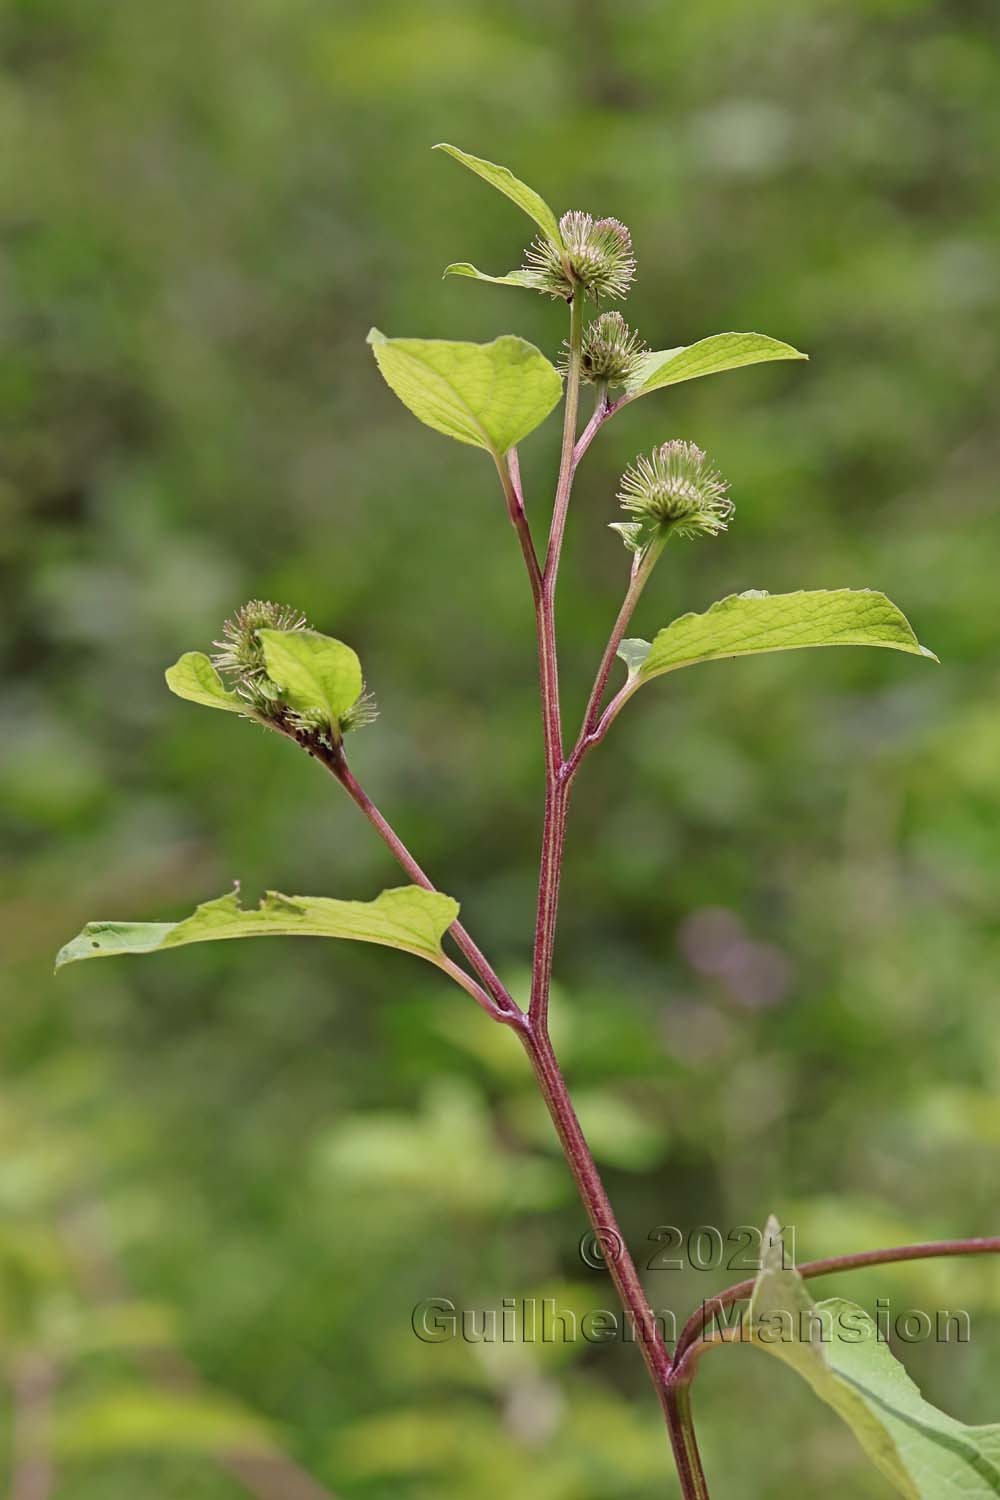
(597, 257)
(239, 657)
(673, 492)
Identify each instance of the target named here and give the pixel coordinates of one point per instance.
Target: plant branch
(509, 470)
(564, 484)
(685, 1445)
(556, 794)
(495, 999)
(549, 879)
(588, 741)
(603, 412)
(642, 568)
(698, 1323)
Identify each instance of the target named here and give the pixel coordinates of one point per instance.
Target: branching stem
(693, 1333)
(493, 996)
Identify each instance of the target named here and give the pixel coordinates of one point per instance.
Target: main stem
(556, 789)
(620, 1264)
(534, 1029)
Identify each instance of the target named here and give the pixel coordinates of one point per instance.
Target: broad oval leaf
(835, 1346)
(518, 192)
(721, 351)
(488, 395)
(316, 675)
(512, 278)
(756, 622)
(194, 677)
(406, 917)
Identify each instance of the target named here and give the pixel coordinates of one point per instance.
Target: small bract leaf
(755, 622)
(633, 652)
(195, 678)
(317, 676)
(836, 1347)
(405, 917)
(518, 192)
(722, 351)
(488, 395)
(513, 278)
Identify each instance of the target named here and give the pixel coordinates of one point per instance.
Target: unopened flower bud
(612, 352)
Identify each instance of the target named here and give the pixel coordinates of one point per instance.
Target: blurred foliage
(780, 943)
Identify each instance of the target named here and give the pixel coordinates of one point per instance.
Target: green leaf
(755, 622)
(722, 351)
(488, 395)
(315, 674)
(835, 1346)
(518, 192)
(406, 917)
(131, 1421)
(195, 678)
(513, 278)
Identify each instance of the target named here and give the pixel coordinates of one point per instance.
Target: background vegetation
(779, 949)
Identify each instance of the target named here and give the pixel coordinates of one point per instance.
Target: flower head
(673, 492)
(240, 655)
(597, 257)
(612, 351)
(242, 658)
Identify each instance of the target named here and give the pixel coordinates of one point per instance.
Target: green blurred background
(778, 954)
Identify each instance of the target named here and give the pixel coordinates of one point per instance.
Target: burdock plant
(272, 668)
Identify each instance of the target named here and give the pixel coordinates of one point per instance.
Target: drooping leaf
(317, 675)
(405, 917)
(755, 622)
(135, 1421)
(513, 278)
(836, 1346)
(518, 192)
(195, 678)
(488, 395)
(722, 351)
